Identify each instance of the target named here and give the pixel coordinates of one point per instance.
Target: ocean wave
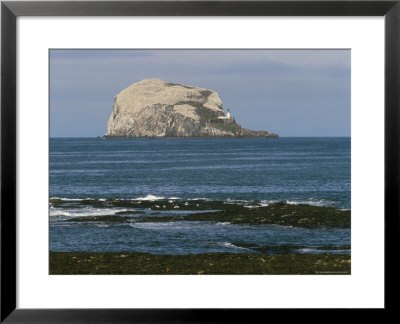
(312, 202)
(86, 212)
(232, 246)
(151, 197)
(53, 199)
(170, 226)
(262, 203)
(183, 202)
(236, 201)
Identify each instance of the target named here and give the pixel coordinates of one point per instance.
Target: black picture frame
(10, 10)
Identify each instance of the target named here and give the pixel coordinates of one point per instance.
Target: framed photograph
(193, 158)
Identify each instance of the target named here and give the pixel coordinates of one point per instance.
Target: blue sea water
(85, 173)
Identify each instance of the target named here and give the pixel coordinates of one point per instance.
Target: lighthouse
(227, 117)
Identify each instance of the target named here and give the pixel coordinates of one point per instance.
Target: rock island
(155, 108)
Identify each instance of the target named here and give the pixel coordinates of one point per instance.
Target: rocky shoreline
(258, 259)
(279, 213)
(209, 263)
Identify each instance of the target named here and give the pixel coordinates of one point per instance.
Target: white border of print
(363, 288)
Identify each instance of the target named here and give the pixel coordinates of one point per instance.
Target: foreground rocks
(155, 108)
(210, 263)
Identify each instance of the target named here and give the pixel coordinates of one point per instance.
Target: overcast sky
(289, 92)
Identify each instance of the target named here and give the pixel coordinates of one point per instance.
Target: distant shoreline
(217, 137)
(183, 137)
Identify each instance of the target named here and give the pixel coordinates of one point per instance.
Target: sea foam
(154, 197)
(86, 212)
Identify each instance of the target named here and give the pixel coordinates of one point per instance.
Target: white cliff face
(155, 108)
(156, 91)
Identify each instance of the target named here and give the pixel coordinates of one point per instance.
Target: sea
(118, 195)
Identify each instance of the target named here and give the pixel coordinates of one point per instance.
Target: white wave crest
(154, 197)
(71, 199)
(85, 212)
(230, 201)
(312, 202)
(232, 246)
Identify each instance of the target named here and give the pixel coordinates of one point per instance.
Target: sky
(289, 92)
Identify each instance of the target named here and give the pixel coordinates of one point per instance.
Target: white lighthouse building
(228, 115)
